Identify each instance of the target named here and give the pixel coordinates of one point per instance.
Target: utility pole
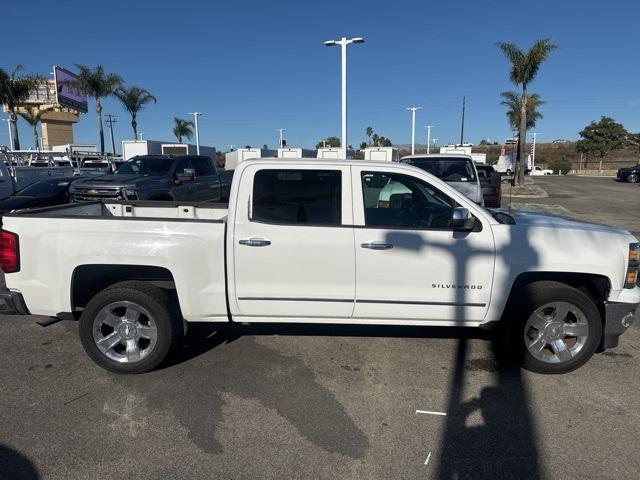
(231, 147)
(434, 140)
(281, 130)
(111, 119)
(428, 127)
(140, 136)
(343, 42)
(195, 117)
(464, 101)
(413, 127)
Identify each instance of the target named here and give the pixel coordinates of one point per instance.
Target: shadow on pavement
(15, 466)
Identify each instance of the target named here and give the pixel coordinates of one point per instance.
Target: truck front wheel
(558, 327)
(129, 327)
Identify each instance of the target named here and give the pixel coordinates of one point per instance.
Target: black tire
(156, 302)
(633, 178)
(531, 298)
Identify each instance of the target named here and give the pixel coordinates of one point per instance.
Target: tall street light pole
(413, 128)
(111, 119)
(195, 117)
(533, 150)
(281, 130)
(8, 120)
(343, 42)
(428, 127)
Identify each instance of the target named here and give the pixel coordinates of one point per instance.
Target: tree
(600, 138)
(524, 68)
(97, 84)
(32, 117)
(14, 90)
(375, 138)
(133, 100)
(182, 128)
(329, 142)
(512, 102)
(369, 132)
(363, 145)
(383, 142)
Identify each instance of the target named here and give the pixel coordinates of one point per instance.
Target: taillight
(9, 252)
(632, 266)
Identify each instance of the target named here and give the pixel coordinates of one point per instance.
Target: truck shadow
(15, 466)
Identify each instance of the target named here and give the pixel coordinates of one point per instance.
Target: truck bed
(185, 240)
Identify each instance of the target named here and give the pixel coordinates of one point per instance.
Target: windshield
(145, 166)
(44, 188)
(449, 169)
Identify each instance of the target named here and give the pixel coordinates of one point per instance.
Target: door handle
(377, 245)
(255, 242)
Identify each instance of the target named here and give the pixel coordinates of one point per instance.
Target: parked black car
(629, 174)
(491, 183)
(43, 193)
(191, 178)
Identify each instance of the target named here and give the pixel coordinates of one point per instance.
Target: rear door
(292, 244)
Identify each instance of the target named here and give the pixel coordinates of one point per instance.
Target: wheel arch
(89, 279)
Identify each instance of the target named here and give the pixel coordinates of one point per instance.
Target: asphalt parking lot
(326, 402)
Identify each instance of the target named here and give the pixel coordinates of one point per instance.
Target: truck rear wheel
(129, 327)
(558, 327)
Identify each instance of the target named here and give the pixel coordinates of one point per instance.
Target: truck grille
(81, 194)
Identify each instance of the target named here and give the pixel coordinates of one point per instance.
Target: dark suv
(491, 183)
(192, 178)
(629, 174)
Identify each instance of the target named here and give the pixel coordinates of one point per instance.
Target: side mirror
(187, 175)
(462, 220)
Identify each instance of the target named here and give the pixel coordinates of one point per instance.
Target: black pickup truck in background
(194, 178)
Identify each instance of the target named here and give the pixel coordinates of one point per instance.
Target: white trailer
(291, 152)
(131, 148)
(507, 164)
(187, 149)
(464, 149)
(232, 159)
(388, 154)
(75, 147)
(333, 152)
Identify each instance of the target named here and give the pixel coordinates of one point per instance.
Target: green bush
(560, 164)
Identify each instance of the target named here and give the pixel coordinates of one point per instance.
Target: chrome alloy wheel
(556, 332)
(125, 332)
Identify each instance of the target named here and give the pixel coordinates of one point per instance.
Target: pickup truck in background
(189, 178)
(457, 170)
(320, 241)
(537, 170)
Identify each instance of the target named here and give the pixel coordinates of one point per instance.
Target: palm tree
(524, 68)
(369, 133)
(512, 102)
(133, 100)
(14, 90)
(97, 84)
(182, 128)
(32, 117)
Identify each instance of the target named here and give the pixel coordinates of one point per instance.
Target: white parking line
(428, 457)
(431, 413)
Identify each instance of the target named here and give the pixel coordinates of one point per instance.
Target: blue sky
(255, 66)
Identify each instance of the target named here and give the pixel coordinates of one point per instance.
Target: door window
(312, 197)
(394, 200)
(183, 164)
(202, 166)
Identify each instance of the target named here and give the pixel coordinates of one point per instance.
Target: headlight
(130, 193)
(632, 267)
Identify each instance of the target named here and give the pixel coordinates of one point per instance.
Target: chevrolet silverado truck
(190, 178)
(320, 241)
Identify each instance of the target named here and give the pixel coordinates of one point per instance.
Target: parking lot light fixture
(195, 117)
(413, 128)
(343, 42)
(428, 127)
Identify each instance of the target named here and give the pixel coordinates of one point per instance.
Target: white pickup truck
(311, 241)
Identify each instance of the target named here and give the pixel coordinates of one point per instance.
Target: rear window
(449, 169)
(299, 197)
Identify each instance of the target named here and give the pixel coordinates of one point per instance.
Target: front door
(410, 264)
(293, 244)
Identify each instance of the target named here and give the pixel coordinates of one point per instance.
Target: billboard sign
(66, 95)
